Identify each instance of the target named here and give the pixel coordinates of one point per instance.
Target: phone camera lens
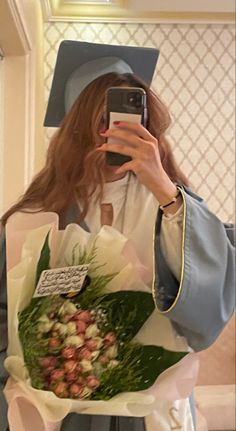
(131, 98)
(135, 99)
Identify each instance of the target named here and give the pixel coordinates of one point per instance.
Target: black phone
(124, 104)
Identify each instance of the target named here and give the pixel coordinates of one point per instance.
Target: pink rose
(91, 344)
(92, 382)
(61, 390)
(84, 315)
(70, 365)
(75, 390)
(54, 343)
(80, 326)
(81, 380)
(57, 374)
(85, 354)
(47, 371)
(109, 339)
(72, 377)
(69, 352)
(103, 360)
(48, 361)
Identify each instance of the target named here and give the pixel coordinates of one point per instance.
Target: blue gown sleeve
(202, 302)
(3, 332)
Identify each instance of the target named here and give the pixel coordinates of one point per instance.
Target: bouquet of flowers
(79, 313)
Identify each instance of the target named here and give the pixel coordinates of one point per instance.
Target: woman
(193, 282)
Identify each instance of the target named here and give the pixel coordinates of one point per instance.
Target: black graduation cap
(79, 63)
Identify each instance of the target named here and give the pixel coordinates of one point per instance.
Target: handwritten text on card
(61, 280)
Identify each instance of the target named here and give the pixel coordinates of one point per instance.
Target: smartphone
(124, 104)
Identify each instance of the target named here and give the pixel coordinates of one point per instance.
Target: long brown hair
(73, 167)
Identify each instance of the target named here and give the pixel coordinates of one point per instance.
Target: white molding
(18, 16)
(29, 119)
(167, 20)
(86, 2)
(69, 11)
(47, 10)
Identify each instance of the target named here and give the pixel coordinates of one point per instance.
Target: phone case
(124, 104)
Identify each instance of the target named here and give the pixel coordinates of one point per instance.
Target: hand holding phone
(124, 104)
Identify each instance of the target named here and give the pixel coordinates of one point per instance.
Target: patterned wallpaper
(195, 76)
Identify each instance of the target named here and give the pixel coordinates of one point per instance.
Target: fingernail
(116, 122)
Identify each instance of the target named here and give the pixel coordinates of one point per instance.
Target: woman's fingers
(119, 148)
(123, 135)
(131, 144)
(136, 128)
(134, 140)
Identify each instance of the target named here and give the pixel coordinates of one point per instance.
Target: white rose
(74, 340)
(111, 352)
(92, 331)
(44, 319)
(71, 328)
(95, 354)
(70, 308)
(45, 327)
(113, 363)
(98, 368)
(86, 392)
(67, 308)
(86, 365)
(99, 342)
(61, 328)
(61, 310)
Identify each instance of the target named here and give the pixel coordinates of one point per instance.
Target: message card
(61, 280)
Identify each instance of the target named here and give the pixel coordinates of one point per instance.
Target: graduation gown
(199, 305)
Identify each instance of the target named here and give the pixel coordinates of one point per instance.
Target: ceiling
(139, 10)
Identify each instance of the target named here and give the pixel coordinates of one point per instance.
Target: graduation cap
(79, 63)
